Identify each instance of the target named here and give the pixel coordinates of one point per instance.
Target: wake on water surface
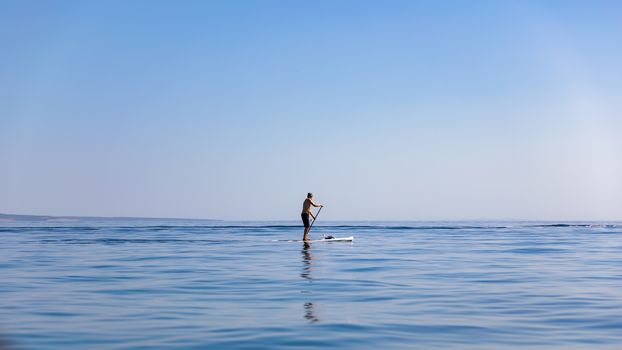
(325, 239)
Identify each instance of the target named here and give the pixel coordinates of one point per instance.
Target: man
(306, 211)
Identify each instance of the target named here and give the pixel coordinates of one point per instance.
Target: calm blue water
(400, 285)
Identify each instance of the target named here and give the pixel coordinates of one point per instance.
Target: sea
(193, 284)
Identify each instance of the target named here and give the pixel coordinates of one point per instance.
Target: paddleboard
(336, 239)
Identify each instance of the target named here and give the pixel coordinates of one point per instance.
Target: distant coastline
(53, 218)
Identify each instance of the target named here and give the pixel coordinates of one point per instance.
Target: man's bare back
(306, 206)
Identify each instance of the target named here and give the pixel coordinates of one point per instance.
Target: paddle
(313, 222)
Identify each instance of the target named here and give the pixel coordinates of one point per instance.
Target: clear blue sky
(408, 110)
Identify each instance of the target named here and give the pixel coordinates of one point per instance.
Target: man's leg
(304, 236)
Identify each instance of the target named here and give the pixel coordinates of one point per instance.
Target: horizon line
(61, 217)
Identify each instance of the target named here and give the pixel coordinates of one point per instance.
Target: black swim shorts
(305, 219)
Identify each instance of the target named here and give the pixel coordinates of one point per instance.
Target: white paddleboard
(336, 239)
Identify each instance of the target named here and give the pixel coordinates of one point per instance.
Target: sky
(385, 110)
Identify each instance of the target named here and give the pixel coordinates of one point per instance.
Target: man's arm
(316, 205)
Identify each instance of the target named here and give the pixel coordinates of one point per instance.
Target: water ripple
(475, 285)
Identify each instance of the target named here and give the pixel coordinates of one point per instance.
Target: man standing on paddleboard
(306, 211)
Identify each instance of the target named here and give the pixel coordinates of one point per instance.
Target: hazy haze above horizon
(386, 110)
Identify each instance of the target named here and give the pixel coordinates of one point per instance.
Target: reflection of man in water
(306, 274)
(306, 261)
(310, 313)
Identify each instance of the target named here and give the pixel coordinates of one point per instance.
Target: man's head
(309, 195)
